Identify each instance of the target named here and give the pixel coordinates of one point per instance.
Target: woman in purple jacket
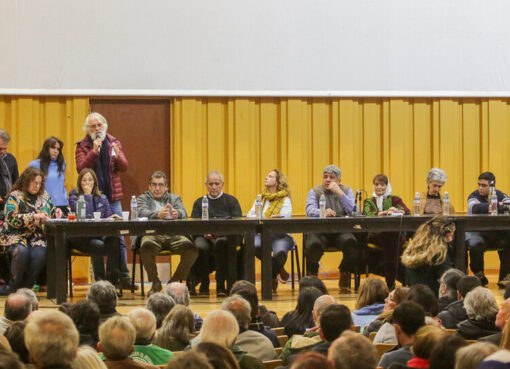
(99, 246)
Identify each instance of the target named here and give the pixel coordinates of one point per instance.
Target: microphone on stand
(358, 202)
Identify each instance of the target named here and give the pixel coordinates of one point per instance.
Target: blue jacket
(366, 314)
(94, 203)
(54, 182)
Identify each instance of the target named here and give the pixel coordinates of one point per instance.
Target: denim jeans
(27, 264)
(116, 207)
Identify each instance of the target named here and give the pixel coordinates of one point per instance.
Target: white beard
(101, 134)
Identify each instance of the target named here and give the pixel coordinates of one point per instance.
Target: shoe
(221, 293)
(125, 284)
(275, 284)
(504, 282)
(344, 282)
(284, 275)
(483, 279)
(156, 287)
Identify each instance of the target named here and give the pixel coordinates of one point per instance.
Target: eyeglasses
(98, 125)
(210, 184)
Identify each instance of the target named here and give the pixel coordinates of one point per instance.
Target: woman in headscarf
(383, 203)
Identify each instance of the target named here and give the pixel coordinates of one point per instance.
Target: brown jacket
(127, 364)
(423, 199)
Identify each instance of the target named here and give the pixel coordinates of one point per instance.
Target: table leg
(50, 267)
(460, 245)
(249, 257)
(267, 266)
(60, 267)
(232, 261)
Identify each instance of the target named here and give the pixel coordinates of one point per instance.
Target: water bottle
(258, 206)
(134, 208)
(322, 206)
(205, 208)
(417, 204)
(493, 206)
(446, 204)
(81, 208)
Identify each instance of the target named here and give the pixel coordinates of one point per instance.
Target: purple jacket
(94, 203)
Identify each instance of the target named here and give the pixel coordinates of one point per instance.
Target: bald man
(501, 318)
(17, 308)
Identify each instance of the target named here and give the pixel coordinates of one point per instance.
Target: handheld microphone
(99, 148)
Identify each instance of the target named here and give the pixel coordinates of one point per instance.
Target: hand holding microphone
(98, 142)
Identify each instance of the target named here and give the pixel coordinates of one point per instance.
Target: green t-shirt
(151, 354)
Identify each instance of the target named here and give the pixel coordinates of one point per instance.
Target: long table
(58, 232)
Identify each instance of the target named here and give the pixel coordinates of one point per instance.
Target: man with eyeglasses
(221, 205)
(478, 242)
(158, 203)
(103, 153)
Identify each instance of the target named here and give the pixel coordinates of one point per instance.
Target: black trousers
(317, 243)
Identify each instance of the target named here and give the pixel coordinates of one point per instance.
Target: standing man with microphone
(103, 153)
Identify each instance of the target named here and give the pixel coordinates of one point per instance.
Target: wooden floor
(283, 301)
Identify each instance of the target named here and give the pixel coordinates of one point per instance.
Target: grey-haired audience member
(17, 308)
(180, 293)
(160, 304)
(31, 296)
(103, 293)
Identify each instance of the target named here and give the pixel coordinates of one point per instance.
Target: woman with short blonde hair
(87, 358)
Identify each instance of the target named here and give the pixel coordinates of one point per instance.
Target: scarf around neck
(275, 201)
(379, 199)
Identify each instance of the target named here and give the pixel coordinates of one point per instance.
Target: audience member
(177, 329)
(500, 360)
(313, 281)
(470, 356)
(158, 203)
(160, 304)
(87, 358)
(501, 319)
(353, 351)
(426, 298)
(17, 307)
(104, 295)
(8, 168)
(370, 302)
(180, 293)
(190, 360)
(210, 246)
(52, 340)
(85, 315)
(116, 341)
(219, 357)
(15, 334)
(382, 324)
(9, 360)
(297, 343)
(448, 287)
(339, 203)
(426, 258)
(443, 352)
(28, 292)
(407, 318)
(103, 153)
(4, 344)
(221, 327)
(144, 322)
(455, 312)
(424, 340)
(481, 309)
(248, 292)
(507, 292)
(333, 322)
(301, 318)
(311, 360)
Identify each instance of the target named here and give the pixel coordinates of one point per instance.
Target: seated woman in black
(87, 187)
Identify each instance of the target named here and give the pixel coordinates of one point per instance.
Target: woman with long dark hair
(301, 318)
(27, 205)
(51, 162)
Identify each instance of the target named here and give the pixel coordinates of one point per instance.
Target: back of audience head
(313, 281)
(353, 351)
(9, 360)
(240, 308)
(17, 307)
(31, 296)
(144, 322)
(423, 296)
(302, 316)
(499, 360)
(190, 360)
(469, 357)
(466, 284)
(85, 315)
(448, 283)
(15, 334)
(311, 360)
(320, 305)
(242, 285)
(51, 339)
(480, 304)
(372, 290)
(87, 358)
(219, 356)
(251, 296)
(103, 293)
(179, 292)
(334, 321)
(220, 327)
(116, 338)
(425, 339)
(409, 316)
(443, 352)
(179, 324)
(160, 304)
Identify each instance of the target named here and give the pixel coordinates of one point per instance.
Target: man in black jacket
(8, 168)
(455, 312)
